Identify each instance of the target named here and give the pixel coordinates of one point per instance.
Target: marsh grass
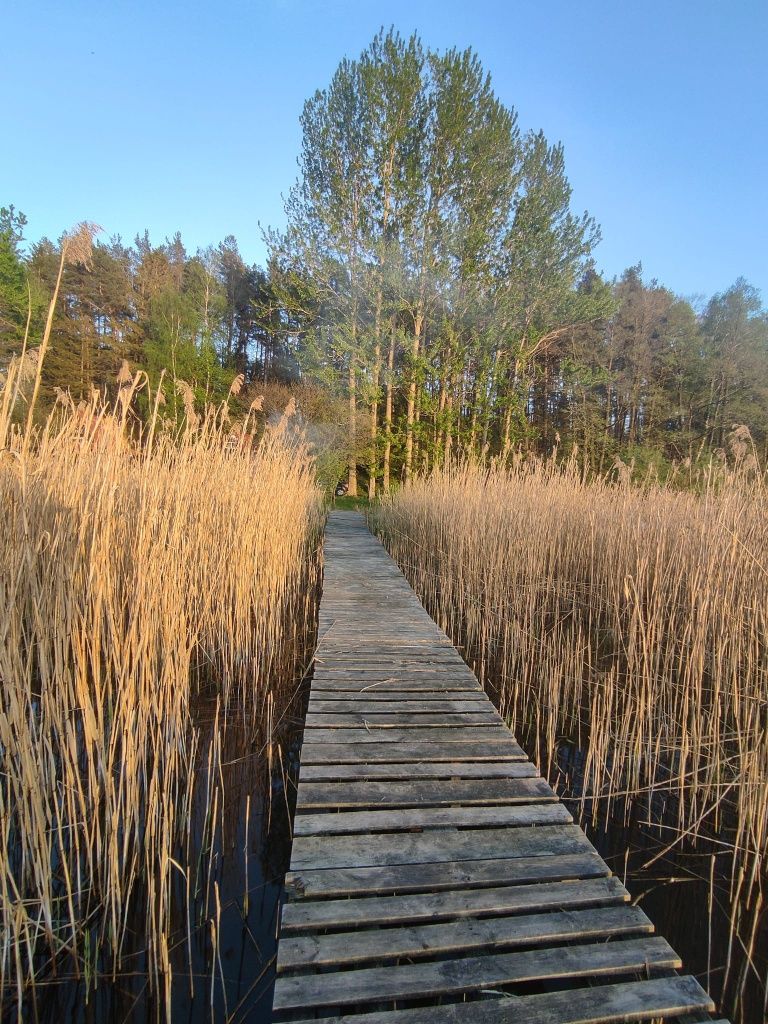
(625, 623)
(143, 574)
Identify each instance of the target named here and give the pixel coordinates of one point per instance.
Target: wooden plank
(407, 819)
(383, 624)
(470, 735)
(379, 720)
(371, 697)
(304, 914)
(429, 663)
(392, 684)
(470, 974)
(368, 652)
(412, 770)
(366, 649)
(390, 705)
(371, 752)
(463, 936)
(628, 1001)
(418, 849)
(371, 673)
(412, 668)
(431, 793)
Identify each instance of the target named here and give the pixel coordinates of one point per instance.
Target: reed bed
(627, 623)
(138, 578)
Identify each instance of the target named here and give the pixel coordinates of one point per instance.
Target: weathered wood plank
(430, 793)
(394, 684)
(307, 914)
(392, 720)
(371, 697)
(470, 974)
(569, 861)
(370, 657)
(370, 752)
(412, 770)
(418, 849)
(463, 936)
(375, 733)
(410, 818)
(628, 1001)
(331, 672)
(323, 705)
(370, 649)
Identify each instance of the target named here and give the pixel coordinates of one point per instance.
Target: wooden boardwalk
(435, 877)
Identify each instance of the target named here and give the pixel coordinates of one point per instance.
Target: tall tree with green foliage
(14, 287)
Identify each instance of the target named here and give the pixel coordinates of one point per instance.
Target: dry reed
(629, 622)
(135, 577)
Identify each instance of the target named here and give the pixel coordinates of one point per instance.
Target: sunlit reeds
(628, 622)
(138, 574)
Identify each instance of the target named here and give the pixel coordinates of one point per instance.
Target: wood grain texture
(461, 936)
(445, 875)
(596, 1004)
(456, 903)
(424, 793)
(469, 974)
(410, 819)
(438, 846)
(413, 770)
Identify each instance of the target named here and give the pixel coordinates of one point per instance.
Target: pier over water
(435, 876)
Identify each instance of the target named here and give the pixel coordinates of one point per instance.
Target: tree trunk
(448, 430)
(506, 440)
(352, 480)
(388, 408)
(410, 418)
(372, 469)
(438, 418)
(374, 426)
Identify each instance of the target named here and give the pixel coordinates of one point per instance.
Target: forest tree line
(433, 292)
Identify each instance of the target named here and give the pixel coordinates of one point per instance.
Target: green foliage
(432, 297)
(348, 504)
(14, 293)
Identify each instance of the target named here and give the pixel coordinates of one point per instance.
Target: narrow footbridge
(435, 876)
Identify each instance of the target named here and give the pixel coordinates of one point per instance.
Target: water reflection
(226, 896)
(685, 891)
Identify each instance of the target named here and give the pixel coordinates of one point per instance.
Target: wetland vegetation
(569, 469)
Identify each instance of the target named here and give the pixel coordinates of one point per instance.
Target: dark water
(231, 980)
(685, 891)
(684, 888)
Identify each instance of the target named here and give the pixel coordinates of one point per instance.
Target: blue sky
(171, 115)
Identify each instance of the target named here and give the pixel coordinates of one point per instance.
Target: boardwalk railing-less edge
(435, 876)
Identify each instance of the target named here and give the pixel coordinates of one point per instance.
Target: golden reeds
(629, 622)
(135, 577)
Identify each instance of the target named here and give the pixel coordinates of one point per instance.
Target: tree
(14, 290)
(735, 329)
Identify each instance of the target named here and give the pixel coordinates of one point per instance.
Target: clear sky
(184, 115)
